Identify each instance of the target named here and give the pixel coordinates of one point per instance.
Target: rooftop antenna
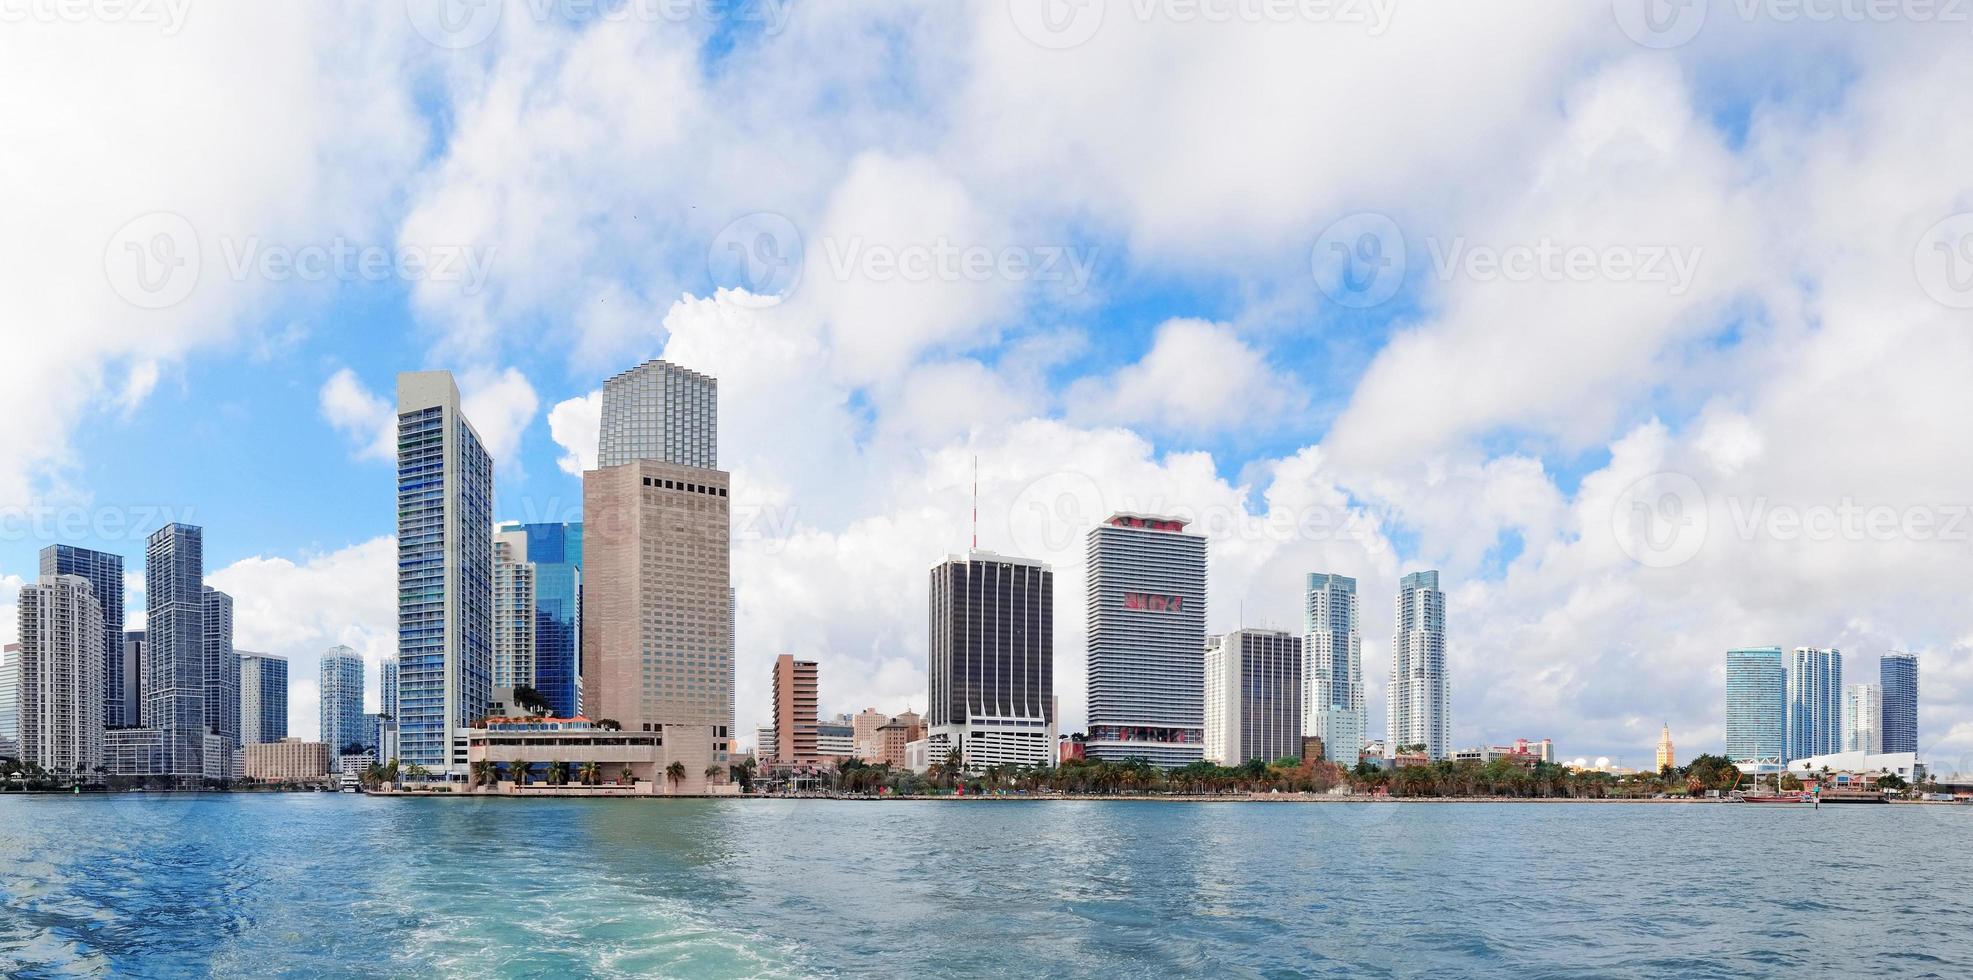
(976, 501)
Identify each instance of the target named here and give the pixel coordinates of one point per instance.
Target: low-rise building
(287, 761)
(1525, 751)
(1904, 765)
(918, 755)
(1070, 747)
(539, 743)
(834, 741)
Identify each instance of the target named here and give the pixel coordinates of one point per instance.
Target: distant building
(918, 756)
(894, 735)
(660, 411)
(1146, 606)
(796, 691)
(1419, 703)
(387, 686)
(1898, 675)
(61, 676)
(1253, 688)
(104, 573)
(513, 611)
(765, 743)
(1904, 765)
(10, 701)
(1667, 757)
(1314, 749)
(1333, 706)
(991, 660)
(132, 666)
(1756, 705)
(263, 698)
(222, 683)
(553, 552)
(864, 732)
(1863, 719)
(1071, 748)
(172, 743)
(286, 761)
(1815, 702)
(1524, 751)
(341, 700)
(834, 742)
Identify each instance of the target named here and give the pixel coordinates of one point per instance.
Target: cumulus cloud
(501, 406)
(575, 425)
(1198, 377)
(361, 415)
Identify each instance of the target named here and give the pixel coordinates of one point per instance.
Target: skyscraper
(263, 698)
(796, 691)
(1253, 691)
(342, 700)
(174, 653)
(1815, 702)
(539, 575)
(513, 611)
(1420, 706)
(1146, 607)
(387, 686)
(1898, 673)
(61, 675)
(105, 574)
(991, 661)
(656, 586)
(1863, 718)
(1756, 705)
(131, 664)
(660, 411)
(222, 684)
(444, 572)
(10, 701)
(1333, 707)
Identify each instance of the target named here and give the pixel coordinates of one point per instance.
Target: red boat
(1794, 798)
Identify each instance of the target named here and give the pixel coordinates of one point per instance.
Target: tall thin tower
(1332, 668)
(1420, 711)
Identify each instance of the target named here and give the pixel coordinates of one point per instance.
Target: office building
(387, 686)
(341, 704)
(444, 573)
(834, 742)
(1420, 708)
(263, 698)
(1146, 614)
(171, 745)
(61, 676)
(1667, 756)
(10, 701)
(765, 742)
(864, 728)
(660, 412)
(513, 611)
(1757, 706)
(1253, 697)
(1333, 705)
(656, 588)
(1863, 718)
(796, 691)
(104, 572)
(1897, 673)
(286, 761)
(222, 680)
(132, 665)
(991, 661)
(1815, 702)
(894, 735)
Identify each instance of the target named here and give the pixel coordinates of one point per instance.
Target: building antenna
(976, 501)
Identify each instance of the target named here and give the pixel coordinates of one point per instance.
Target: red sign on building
(1154, 603)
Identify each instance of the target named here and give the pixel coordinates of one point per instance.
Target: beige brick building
(289, 761)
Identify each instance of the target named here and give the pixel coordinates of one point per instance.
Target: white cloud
(575, 425)
(365, 417)
(1198, 377)
(501, 406)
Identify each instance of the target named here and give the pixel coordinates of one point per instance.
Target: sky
(1647, 325)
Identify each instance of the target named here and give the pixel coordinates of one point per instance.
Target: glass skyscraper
(1815, 702)
(1419, 707)
(660, 411)
(1253, 696)
(263, 698)
(444, 572)
(991, 661)
(222, 678)
(104, 573)
(1897, 673)
(342, 700)
(1756, 705)
(1333, 706)
(1146, 606)
(174, 652)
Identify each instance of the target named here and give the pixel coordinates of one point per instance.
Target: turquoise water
(346, 885)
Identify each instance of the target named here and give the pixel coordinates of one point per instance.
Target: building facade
(132, 666)
(1757, 706)
(1333, 705)
(61, 676)
(1897, 673)
(1863, 719)
(1815, 702)
(341, 701)
(797, 692)
(286, 761)
(991, 661)
(1667, 756)
(104, 573)
(174, 660)
(1420, 709)
(263, 698)
(1146, 614)
(222, 682)
(1253, 697)
(10, 701)
(662, 412)
(864, 729)
(444, 573)
(513, 611)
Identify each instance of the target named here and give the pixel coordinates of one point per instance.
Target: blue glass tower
(1898, 675)
(1756, 705)
(1815, 702)
(555, 550)
(342, 700)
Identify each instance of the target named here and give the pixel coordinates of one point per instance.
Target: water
(309, 885)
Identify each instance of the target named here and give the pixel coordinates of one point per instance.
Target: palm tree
(628, 776)
(518, 772)
(712, 773)
(676, 773)
(482, 772)
(558, 773)
(590, 774)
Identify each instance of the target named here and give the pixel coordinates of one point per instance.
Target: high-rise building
(1898, 673)
(222, 678)
(1815, 702)
(105, 574)
(656, 589)
(10, 701)
(662, 412)
(1863, 719)
(513, 611)
(1333, 706)
(864, 728)
(1420, 708)
(537, 589)
(61, 675)
(174, 657)
(1253, 696)
(1667, 756)
(387, 686)
(797, 691)
(1757, 705)
(991, 661)
(263, 698)
(132, 666)
(342, 699)
(444, 573)
(1146, 608)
